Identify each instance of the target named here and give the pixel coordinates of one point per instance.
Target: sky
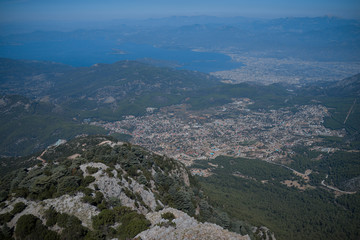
(93, 10)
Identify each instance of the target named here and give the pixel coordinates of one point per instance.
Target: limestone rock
(186, 228)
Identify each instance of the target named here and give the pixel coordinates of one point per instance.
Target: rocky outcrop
(71, 205)
(121, 183)
(184, 227)
(113, 187)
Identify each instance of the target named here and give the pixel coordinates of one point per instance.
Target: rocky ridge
(89, 178)
(185, 227)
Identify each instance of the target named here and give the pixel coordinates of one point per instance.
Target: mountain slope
(127, 78)
(28, 126)
(348, 87)
(96, 186)
(60, 97)
(29, 78)
(122, 79)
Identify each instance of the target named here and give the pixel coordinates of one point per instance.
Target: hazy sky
(34, 10)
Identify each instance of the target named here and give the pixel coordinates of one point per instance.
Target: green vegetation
(265, 97)
(239, 188)
(340, 166)
(55, 179)
(63, 176)
(289, 212)
(51, 217)
(72, 228)
(131, 223)
(42, 183)
(6, 233)
(18, 208)
(87, 180)
(254, 168)
(168, 216)
(31, 227)
(29, 126)
(12, 163)
(92, 170)
(137, 162)
(97, 200)
(6, 217)
(33, 125)
(122, 137)
(339, 108)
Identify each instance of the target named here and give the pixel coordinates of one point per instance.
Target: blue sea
(89, 52)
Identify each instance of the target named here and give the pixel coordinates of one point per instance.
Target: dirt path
(40, 157)
(350, 110)
(334, 188)
(305, 176)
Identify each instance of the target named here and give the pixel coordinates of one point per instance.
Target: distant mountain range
(316, 39)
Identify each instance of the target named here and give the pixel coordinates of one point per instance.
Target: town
(289, 70)
(231, 129)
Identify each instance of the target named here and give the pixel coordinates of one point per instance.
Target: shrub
(62, 219)
(73, 229)
(65, 220)
(85, 190)
(92, 170)
(21, 192)
(6, 233)
(142, 180)
(76, 231)
(132, 223)
(6, 217)
(132, 171)
(109, 172)
(96, 200)
(101, 206)
(137, 224)
(72, 221)
(158, 207)
(88, 199)
(121, 212)
(48, 192)
(129, 193)
(104, 219)
(119, 173)
(95, 235)
(168, 216)
(3, 196)
(166, 224)
(31, 227)
(51, 216)
(68, 184)
(18, 208)
(87, 180)
(25, 226)
(114, 202)
(99, 197)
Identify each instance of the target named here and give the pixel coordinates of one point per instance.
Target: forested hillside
(98, 188)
